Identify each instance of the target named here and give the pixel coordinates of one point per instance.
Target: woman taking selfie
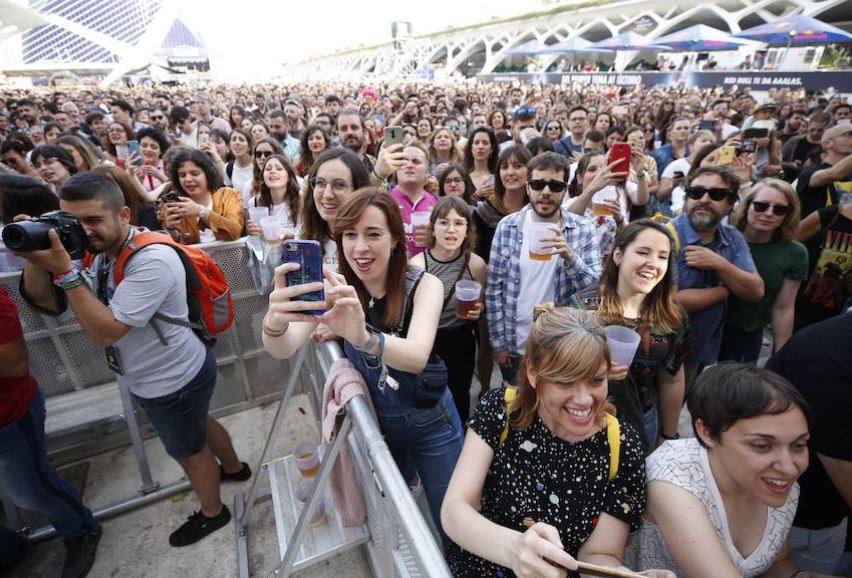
(206, 210)
(732, 489)
(540, 484)
(334, 175)
(768, 217)
(637, 291)
(449, 257)
(387, 313)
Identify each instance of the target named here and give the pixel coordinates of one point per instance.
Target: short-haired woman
(721, 504)
(767, 216)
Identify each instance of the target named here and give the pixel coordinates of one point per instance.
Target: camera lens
(27, 236)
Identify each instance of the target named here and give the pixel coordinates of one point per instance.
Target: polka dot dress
(537, 475)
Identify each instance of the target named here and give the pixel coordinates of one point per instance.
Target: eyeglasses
(447, 223)
(263, 154)
(777, 210)
(716, 194)
(338, 185)
(454, 181)
(156, 117)
(554, 186)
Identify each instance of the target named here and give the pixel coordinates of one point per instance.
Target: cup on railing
(419, 219)
(467, 296)
(303, 494)
(540, 231)
(622, 343)
(307, 459)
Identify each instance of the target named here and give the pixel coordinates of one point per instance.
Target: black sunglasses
(555, 186)
(777, 210)
(696, 193)
(264, 154)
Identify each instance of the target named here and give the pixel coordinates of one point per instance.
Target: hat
(836, 131)
(766, 105)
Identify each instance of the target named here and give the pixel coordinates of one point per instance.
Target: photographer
(169, 371)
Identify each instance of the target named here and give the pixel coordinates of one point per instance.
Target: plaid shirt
(504, 271)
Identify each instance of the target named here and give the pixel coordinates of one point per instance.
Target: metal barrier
(400, 542)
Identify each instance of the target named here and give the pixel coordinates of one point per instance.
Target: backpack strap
(675, 237)
(613, 436)
(509, 394)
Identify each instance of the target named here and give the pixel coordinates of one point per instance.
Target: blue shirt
(707, 323)
(664, 156)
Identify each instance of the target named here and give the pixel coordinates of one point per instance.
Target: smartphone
(121, 151)
(677, 175)
(620, 151)
(203, 138)
(133, 149)
(747, 146)
(308, 254)
(726, 155)
(707, 125)
(169, 197)
(394, 135)
(755, 133)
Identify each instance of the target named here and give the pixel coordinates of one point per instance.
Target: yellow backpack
(613, 432)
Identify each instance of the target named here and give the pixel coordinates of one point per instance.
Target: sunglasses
(263, 154)
(777, 210)
(554, 186)
(156, 117)
(696, 193)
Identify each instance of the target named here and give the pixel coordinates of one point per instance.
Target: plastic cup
(539, 231)
(273, 227)
(467, 296)
(420, 219)
(623, 343)
(598, 208)
(303, 494)
(257, 214)
(307, 459)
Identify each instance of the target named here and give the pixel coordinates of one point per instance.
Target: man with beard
(532, 263)
(350, 130)
(799, 148)
(713, 261)
(159, 120)
(277, 122)
(167, 368)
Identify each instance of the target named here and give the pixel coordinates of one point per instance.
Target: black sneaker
(198, 526)
(80, 554)
(240, 476)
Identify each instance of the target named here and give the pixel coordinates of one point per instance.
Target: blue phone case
(308, 254)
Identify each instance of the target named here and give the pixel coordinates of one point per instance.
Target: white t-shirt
(685, 464)
(242, 180)
(537, 286)
(678, 194)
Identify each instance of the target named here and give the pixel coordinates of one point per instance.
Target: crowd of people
(715, 225)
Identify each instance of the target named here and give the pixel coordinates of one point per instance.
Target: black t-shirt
(813, 198)
(803, 149)
(817, 361)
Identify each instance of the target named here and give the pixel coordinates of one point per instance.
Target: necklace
(372, 302)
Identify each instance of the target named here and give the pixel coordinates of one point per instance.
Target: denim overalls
(422, 430)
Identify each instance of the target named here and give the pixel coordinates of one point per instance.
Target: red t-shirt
(16, 393)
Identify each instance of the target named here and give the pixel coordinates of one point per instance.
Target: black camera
(26, 236)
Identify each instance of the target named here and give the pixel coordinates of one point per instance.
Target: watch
(376, 341)
(202, 215)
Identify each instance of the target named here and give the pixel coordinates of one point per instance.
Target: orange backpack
(208, 297)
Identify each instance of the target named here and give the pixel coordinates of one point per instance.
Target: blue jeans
(651, 421)
(739, 345)
(27, 477)
(428, 441)
(817, 550)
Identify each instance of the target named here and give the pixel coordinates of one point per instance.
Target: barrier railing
(400, 541)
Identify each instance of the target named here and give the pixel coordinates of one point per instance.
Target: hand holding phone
(394, 135)
(620, 153)
(307, 255)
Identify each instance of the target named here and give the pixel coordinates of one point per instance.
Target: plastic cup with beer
(605, 194)
(307, 459)
(303, 494)
(622, 343)
(467, 296)
(257, 214)
(420, 219)
(540, 233)
(273, 227)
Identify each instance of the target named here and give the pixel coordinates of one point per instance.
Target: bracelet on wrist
(71, 284)
(58, 276)
(272, 332)
(67, 277)
(676, 436)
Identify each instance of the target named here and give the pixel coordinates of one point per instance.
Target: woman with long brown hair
(279, 192)
(387, 313)
(550, 476)
(637, 291)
